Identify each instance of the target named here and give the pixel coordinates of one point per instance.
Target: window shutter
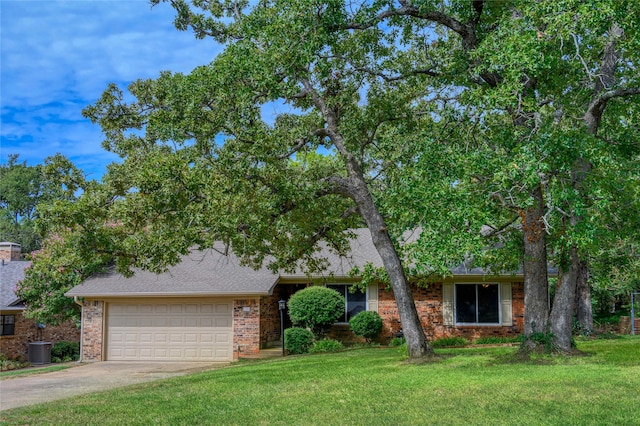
(372, 297)
(447, 304)
(505, 300)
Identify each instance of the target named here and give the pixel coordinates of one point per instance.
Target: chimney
(10, 251)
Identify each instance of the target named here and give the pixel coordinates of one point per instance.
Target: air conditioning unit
(39, 352)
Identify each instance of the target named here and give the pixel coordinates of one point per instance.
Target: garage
(170, 330)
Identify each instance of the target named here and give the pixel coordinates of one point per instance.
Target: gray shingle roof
(10, 274)
(210, 273)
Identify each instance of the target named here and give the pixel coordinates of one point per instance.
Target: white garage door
(172, 330)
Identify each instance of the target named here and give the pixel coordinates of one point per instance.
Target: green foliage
(298, 340)
(65, 351)
(316, 308)
(326, 345)
(367, 324)
(449, 342)
(397, 341)
(55, 269)
(546, 340)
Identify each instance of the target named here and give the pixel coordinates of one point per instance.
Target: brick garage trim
(93, 332)
(246, 327)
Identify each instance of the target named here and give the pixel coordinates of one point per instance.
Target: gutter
(75, 299)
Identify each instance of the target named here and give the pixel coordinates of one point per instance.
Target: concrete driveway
(87, 378)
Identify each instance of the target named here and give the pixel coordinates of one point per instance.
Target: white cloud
(58, 56)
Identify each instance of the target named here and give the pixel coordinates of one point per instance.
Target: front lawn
(483, 386)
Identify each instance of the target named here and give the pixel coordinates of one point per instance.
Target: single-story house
(16, 331)
(209, 307)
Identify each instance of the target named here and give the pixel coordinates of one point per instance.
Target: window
(477, 303)
(353, 302)
(7, 323)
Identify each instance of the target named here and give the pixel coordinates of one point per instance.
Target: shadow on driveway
(88, 378)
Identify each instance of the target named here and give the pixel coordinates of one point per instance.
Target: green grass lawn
(470, 386)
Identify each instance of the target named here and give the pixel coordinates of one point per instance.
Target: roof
(211, 273)
(10, 274)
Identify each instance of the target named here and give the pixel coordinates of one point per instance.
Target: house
(16, 331)
(210, 307)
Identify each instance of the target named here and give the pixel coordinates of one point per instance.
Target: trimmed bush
(316, 308)
(367, 324)
(297, 340)
(449, 342)
(65, 351)
(326, 345)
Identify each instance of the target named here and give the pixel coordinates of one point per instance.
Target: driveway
(88, 378)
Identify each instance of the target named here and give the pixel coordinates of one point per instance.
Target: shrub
(397, 341)
(326, 345)
(316, 308)
(367, 324)
(449, 341)
(297, 340)
(65, 351)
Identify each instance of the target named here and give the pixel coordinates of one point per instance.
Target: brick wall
(26, 331)
(246, 327)
(270, 317)
(429, 306)
(93, 330)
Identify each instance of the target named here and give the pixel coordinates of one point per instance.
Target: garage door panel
(190, 331)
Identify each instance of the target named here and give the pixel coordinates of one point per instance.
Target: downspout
(75, 299)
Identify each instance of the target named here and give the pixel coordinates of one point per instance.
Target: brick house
(16, 331)
(209, 307)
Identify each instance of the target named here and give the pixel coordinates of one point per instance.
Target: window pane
(465, 303)
(342, 289)
(488, 303)
(356, 303)
(8, 319)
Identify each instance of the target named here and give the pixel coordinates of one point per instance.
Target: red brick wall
(270, 317)
(93, 330)
(246, 327)
(429, 305)
(26, 331)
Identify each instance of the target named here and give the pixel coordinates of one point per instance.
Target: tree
(202, 160)
(531, 83)
(23, 188)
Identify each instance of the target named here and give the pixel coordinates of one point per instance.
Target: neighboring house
(209, 307)
(16, 331)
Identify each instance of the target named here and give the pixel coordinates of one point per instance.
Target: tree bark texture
(417, 344)
(583, 308)
(536, 292)
(561, 318)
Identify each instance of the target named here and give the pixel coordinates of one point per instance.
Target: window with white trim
(354, 303)
(7, 325)
(477, 304)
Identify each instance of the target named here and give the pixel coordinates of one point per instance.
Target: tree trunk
(583, 309)
(536, 284)
(561, 318)
(417, 344)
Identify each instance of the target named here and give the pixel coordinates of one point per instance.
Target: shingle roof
(199, 273)
(10, 274)
(210, 273)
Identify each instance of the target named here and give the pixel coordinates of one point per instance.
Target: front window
(477, 304)
(7, 323)
(354, 303)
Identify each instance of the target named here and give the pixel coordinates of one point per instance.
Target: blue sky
(57, 57)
